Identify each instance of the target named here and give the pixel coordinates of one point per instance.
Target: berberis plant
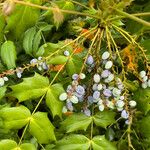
(74, 75)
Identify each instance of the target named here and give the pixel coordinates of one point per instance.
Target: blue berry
(90, 60)
(96, 78)
(107, 93)
(105, 55)
(2, 82)
(124, 114)
(69, 106)
(105, 73)
(96, 94)
(75, 76)
(66, 53)
(87, 112)
(80, 89)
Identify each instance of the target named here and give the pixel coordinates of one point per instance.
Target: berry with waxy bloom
(108, 64)
(124, 114)
(132, 103)
(105, 55)
(90, 60)
(96, 78)
(63, 96)
(66, 53)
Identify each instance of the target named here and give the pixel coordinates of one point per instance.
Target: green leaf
(28, 40)
(12, 145)
(100, 143)
(105, 118)
(74, 65)
(36, 42)
(15, 117)
(2, 25)
(27, 146)
(142, 97)
(7, 144)
(2, 91)
(30, 88)
(52, 99)
(41, 128)
(73, 142)
(8, 54)
(27, 17)
(76, 122)
(47, 49)
(144, 126)
(57, 60)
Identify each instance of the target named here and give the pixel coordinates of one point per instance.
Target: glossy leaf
(57, 60)
(76, 122)
(12, 145)
(8, 54)
(52, 99)
(27, 17)
(7, 144)
(30, 88)
(142, 97)
(105, 118)
(41, 128)
(100, 143)
(2, 91)
(28, 40)
(27, 146)
(73, 142)
(15, 117)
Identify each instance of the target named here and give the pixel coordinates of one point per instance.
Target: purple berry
(90, 60)
(107, 93)
(96, 94)
(75, 76)
(105, 73)
(80, 90)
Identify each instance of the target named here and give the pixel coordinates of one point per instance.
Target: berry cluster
(41, 65)
(145, 79)
(74, 93)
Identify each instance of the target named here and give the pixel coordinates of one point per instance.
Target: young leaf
(15, 117)
(76, 122)
(27, 17)
(8, 54)
(28, 40)
(105, 118)
(142, 97)
(100, 143)
(57, 60)
(7, 144)
(47, 49)
(52, 99)
(41, 128)
(30, 88)
(73, 142)
(2, 91)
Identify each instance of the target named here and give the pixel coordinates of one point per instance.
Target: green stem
(52, 8)
(137, 15)
(132, 17)
(78, 3)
